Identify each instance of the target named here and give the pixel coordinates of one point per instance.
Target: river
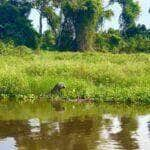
(63, 126)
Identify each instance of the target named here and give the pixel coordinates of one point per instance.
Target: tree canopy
(76, 25)
(14, 24)
(80, 22)
(129, 14)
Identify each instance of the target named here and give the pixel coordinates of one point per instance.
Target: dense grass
(104, 77)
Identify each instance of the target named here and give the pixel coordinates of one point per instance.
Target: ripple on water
(107, 131)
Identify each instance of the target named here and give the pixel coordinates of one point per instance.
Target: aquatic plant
(103, 77)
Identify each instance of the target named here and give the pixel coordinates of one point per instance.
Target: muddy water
(48, 126)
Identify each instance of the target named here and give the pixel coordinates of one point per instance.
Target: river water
(45, 126)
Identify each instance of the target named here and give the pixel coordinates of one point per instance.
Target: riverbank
(99, 76)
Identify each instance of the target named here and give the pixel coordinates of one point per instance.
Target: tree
(106, 15)
(130, 12)
(46, 9)
(40, 5)
(14, 24)
(53, 19)
(80, 22)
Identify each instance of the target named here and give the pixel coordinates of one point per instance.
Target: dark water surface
(45, 126)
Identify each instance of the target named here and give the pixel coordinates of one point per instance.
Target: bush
(13, 84)
(48, 40)
(10, 49)
(113, 42)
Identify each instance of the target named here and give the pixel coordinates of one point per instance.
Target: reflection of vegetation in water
(66, 126)
(124, 137)
(63, 110)
(74, 134)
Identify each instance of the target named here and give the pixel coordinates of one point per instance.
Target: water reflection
(103, 132)
(8, 143)
(142, 134)
(73, 134)
(123, 139)
(111, 126)
(35, 125)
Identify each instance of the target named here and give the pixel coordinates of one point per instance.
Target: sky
(144, 17)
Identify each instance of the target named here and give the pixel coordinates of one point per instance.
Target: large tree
(129, 14)
(46, 8)
(40, 5)
(80, 21)
(14, 23)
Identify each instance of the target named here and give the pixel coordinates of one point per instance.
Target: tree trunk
(40, 24)
(84, 39)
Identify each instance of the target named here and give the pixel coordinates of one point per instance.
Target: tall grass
(101, 76)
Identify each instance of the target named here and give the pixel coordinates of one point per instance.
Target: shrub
(13, 84)
(10, 49)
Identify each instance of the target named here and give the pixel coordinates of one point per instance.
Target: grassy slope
(105, 77)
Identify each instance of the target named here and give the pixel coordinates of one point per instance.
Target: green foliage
(139, 30)
(46, 9)
(76, 27)
(130, 12)
(108, 41)
(15, 26)
(81, 18)
(10, 49)
(104, 77)
(138, 44)
(48, 40)
(138, 41)
(53, 19)
(12, 85)
(106, 15)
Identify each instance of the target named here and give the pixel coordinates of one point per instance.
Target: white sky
(144, 17)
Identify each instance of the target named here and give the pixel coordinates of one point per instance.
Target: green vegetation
(112, 41)
(113, 76)
(15, 26)
(101, 76)
(130, 12)
(77, 26)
